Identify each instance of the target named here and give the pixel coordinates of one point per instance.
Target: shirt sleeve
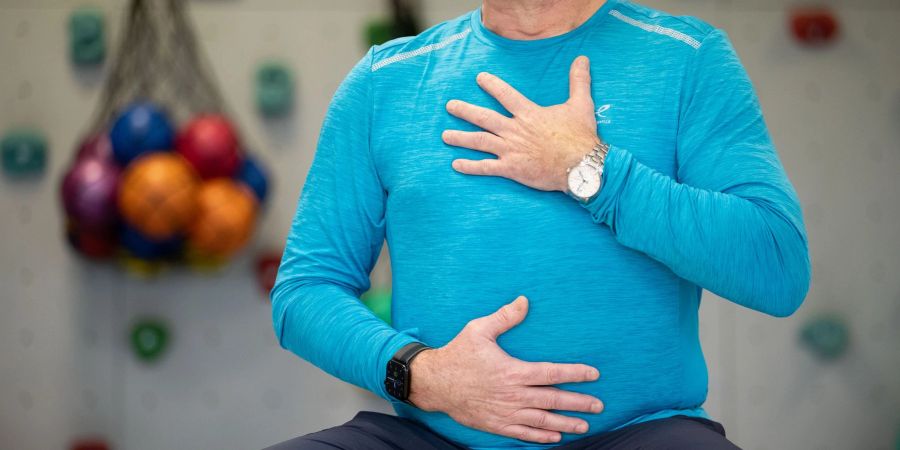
(334, 241)
(729, 221)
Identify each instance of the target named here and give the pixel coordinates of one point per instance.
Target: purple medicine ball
(89, 192)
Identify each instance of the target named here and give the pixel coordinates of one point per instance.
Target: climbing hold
(24, 152)
(274, 89)
(149, 338)
(826, 336)
(379, 301)
(87, 36)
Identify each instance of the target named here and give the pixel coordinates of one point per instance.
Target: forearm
(325, 324)
(743, 248)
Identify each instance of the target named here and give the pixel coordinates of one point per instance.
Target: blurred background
(119, 337)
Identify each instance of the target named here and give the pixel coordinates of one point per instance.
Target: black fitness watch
(396, 380)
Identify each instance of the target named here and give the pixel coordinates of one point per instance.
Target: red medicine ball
(210, 144)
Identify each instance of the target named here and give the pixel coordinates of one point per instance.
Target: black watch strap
(397, 378)
(409, 351)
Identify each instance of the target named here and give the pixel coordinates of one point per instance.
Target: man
(599, 162)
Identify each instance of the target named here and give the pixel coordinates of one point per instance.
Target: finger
(475, 140)
(580, 80)
(549, 398)
(503, 319)
(545, 373)
(545, 420)
(509, 97)
(485, 118)
(526, 433)
(485, 167)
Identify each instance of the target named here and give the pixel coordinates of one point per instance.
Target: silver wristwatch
(585, 178)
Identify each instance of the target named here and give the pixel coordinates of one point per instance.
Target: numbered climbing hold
(87, 36)
(149, 339)
(24, 152)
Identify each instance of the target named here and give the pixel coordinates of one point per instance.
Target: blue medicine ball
(140, 128)
(254, 176)
(142, 247)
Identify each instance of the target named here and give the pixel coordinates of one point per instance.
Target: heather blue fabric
(694, 197)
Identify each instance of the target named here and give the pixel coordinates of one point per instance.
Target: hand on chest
(419, 131)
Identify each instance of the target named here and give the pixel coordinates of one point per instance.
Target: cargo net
(162, 177)
(158, 60)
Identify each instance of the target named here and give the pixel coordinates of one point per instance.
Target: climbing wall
(65, 366)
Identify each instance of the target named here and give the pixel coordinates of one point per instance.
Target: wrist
(422, 374)
(578, 153)
(583, 180)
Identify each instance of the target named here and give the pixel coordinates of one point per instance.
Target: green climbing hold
(379, 301)
(274, 89)
(24, 152)
(149, 338)
(379, 31)
(87, 36)
(826, 336)
(404, 20)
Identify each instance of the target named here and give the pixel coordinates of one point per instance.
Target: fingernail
(596, 407)
(581, 428)
(585, 62)
(451, 104)
(593, 374)
(481, 76)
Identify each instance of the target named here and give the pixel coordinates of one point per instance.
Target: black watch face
(395, 381)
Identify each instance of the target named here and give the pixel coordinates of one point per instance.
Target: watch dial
(584, 181)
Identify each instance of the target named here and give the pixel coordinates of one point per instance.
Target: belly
(592, 300)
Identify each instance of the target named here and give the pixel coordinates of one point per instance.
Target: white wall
(65, 367)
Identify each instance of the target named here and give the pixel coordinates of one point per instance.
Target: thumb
(580, 80)
(504, 318)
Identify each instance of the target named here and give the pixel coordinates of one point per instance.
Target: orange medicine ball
(157, 195)
(226, 215)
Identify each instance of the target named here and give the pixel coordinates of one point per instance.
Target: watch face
(395, 381)
(584, 181)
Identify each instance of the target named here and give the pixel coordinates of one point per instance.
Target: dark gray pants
(375, 431)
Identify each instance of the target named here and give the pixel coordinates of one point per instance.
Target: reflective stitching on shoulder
(675, 34)
(420, 51)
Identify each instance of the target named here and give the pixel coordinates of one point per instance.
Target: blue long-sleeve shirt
(694, 197)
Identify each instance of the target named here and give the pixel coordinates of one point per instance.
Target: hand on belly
(479, 385)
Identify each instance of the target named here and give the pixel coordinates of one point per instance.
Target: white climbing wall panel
(65, 366)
